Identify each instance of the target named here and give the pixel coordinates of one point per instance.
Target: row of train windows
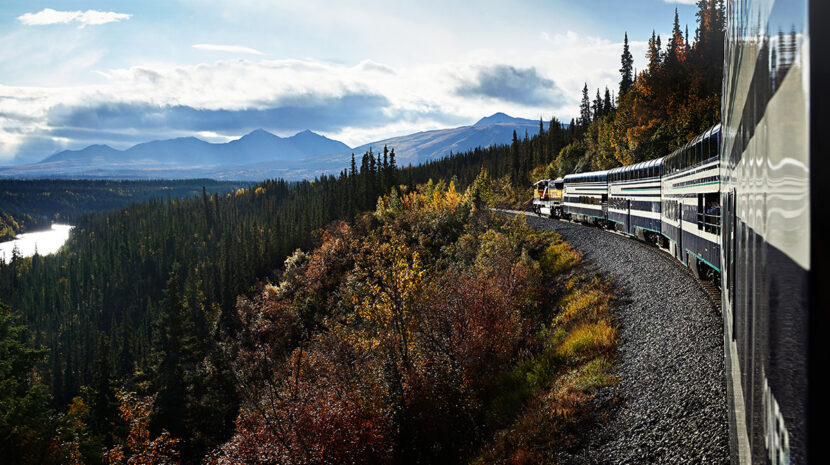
(619, 203)
(592, 178)
(671, 209)
(639, 173)
(586, 199)
(691, 155)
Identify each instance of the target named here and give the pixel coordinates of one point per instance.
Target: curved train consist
(741, 204)
(672, 201)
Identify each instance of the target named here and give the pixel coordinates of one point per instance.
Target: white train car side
(586, 197)
(690, 192)
(634, 199)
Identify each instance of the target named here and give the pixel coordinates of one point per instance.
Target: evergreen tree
(172, 340)
(626, 71)
(514, 156)
(585, 109)
(23, 397)
(676, 49)
(597, 108)
(653, 53)
(393, 169)
(607, 102)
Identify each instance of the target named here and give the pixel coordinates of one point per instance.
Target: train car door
(680, 231)
(604, 203)
(628, 225)
(729, 237)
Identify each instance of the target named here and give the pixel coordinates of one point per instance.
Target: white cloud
(227, 48)
(416, 97)
(48, 16)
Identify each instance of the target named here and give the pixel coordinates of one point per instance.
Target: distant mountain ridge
(260, 154)
(430, 145)
(256, 146)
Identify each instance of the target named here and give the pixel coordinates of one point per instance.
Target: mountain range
(260, 155)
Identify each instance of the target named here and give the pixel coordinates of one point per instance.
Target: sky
(77, 73)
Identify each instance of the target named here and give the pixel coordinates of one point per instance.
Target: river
(45, 242)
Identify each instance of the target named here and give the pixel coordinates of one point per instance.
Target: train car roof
(636, 166)
(585, 175)
(712, 131)
(575, 176)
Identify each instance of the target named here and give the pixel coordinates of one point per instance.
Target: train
(547, 197)
(741, 205)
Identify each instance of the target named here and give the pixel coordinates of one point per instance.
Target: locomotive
(547, 197)
(741, 204)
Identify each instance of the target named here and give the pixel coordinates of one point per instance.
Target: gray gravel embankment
(670, 403)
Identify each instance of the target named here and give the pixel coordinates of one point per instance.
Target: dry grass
(588, 339)
(559, 258)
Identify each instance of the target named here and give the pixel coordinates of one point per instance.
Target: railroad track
(712, 290)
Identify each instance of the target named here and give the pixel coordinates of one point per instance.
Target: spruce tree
(653, 53)
(23, 397)
(627, 61)
(514, 156)
(597, 107)
(675, 43)
(607, 103)
(585, 109)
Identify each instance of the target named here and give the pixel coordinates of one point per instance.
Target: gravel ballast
(670, 403)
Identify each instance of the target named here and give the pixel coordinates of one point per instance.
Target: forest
(349, 316)
(26, 205)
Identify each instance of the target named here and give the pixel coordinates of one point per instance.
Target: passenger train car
(690, 193)
(741, 205)
(586, 197)
(634, 199)
(774, 190)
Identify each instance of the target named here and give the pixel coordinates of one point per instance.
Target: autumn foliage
(138, 447)
(383, 344)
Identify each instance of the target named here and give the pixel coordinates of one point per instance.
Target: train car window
(705, 150)
(698, 149)
(711, 214)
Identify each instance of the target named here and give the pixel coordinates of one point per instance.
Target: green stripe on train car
(704, 261)
(649, 229)
(696, 185)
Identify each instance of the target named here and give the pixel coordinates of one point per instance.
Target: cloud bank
(49, 16)
(510, 84)
(354, 103)
(227, 48)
